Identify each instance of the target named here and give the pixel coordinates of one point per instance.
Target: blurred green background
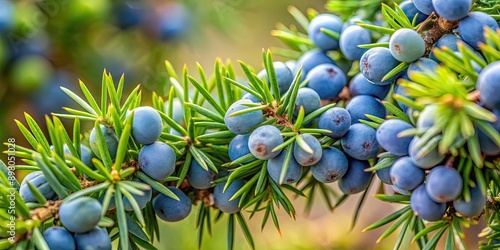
(52, 43)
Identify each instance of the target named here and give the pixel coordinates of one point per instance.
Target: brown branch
(344, 95)
(86, 183)
(280, 119)
(205, 196)
(49, 210)
(440, 27)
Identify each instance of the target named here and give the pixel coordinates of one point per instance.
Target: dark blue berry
(142, 200)
(327, 80)
(242, 124)
(305, 158)
(263, 140)
(81, 214)
(351, 38)
(424, 6)
(473, 26)
(96, 239)
(311, 59)
(360, 142)
(387, 136)
(222, 199)
(406, 175)
(157, 160)
(238, 147)
(489, 86)
(293, 173)
(307, 98)
(38, 180)
(355, 179)
(475, 206)
(284, 76)
(332, 166)
(376, 63)
(362, 105)
(424, 207)
(58, 238)
(147, 125)
(110, 139)
(360, 86)
(452, 10)
(411, 11)
(172, 210)
(444, 184)
(425, 161)
(337, 120)
(198, 177)
(320, 39)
